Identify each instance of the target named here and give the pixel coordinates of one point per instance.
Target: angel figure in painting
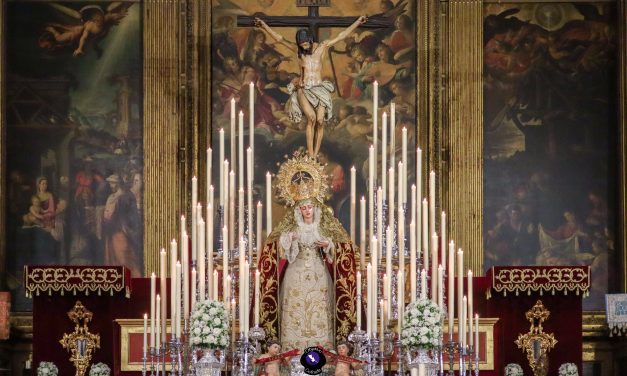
(87, 25)
(310, 94)
(308, 264)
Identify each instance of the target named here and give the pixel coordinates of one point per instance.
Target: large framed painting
(74, 136)
(244, 54)
(550, 138)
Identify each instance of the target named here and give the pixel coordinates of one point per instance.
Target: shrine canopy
(514, 290)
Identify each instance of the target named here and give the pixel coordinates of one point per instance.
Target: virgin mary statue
(307, 265)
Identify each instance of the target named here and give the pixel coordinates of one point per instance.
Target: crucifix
(310, 95)
(313, 20)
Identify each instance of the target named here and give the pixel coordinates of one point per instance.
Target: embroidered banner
(539, 279)
(74, 279)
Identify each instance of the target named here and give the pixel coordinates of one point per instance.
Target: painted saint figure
(310, 94)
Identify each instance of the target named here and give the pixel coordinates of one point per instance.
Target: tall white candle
(425, 233)
(232, 136)
(214, 295)
(418, 180)
(208, 173)
(225, 188)
(432, 202)
(375, 282)
(388, 265)
(460, 285)
(380, 222)
(400, 298)
(412, 262)
(384, 153)
(153, 301)
(443, 239)
(404, 160)
(194, 218)
(246, 289)
(231, 222)
(371, 202)
(393, 135)
(185, 270)
(353, 202)
(257, 296)
(145, 350)
(358, 299)
(209, 251)
(240, 214)
(193, 286)
(251, 115)
(268, 203)
(470, 308)
(413, 201)
(375, 123)
(158, 323)
(259, 219)
(369, 300)
(463, 321)
(202, 273)
(391, 195)
(400, 229)
(434, 267)
(162, 288)
(249, 196)
(476, 337)
(382, 321)
(173, 261)
(451, 296)
(362, 232)
(177, 318)
(221, 166)
(423, 284)
(240, 151)
(441, 287)
(242, 280)
(225, 264)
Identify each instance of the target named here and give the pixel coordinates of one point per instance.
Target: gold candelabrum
(537, 344)
(81, 344)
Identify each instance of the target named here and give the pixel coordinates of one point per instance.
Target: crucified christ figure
(309, 94)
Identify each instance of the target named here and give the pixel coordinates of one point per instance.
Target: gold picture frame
(486, 325)
(129, 327)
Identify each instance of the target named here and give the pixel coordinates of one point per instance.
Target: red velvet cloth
(565, 320)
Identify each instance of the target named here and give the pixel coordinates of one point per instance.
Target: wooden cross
(313, 20)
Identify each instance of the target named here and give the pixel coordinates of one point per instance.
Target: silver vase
(422, 358)
(209, 364)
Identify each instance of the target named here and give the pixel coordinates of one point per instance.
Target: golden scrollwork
(541, 279)
(75, 279)
(536, 343)
(81, 344)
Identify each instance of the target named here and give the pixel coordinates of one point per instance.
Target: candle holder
(451, 348)
(476, 364)
(372, 354)
(244, 352)
(257, 334)
(400, 371)
(144, 366)
(174, 348)
(152, 352)
(357, 337)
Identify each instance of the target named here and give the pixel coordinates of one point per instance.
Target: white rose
(206, 330)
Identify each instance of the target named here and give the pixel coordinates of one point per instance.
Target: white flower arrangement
(422, 325)
(568, 369)
(47, 369)
(99, 369)
(513, 369)
(209, 325)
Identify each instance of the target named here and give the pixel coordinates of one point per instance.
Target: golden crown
(302, 178)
